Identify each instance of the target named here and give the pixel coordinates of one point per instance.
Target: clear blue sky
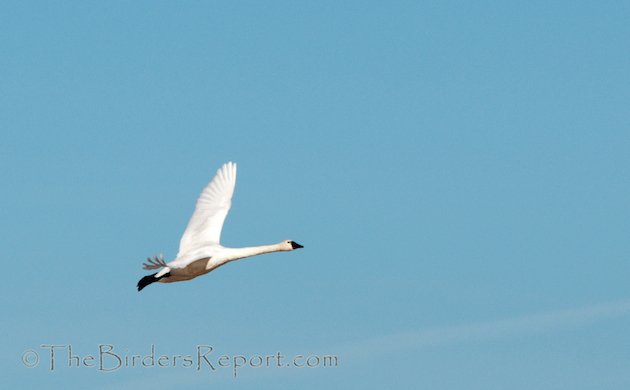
(458, 173)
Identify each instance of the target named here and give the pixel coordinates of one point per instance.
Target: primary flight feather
(200, 250)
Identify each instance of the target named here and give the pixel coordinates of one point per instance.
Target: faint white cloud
(479, 331)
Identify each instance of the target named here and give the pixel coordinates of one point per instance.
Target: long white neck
(240, 253)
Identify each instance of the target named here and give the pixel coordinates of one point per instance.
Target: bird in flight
(199, 249)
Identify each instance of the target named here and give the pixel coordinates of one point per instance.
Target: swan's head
(289, 245)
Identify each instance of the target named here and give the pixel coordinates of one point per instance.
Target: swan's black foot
(147, 280)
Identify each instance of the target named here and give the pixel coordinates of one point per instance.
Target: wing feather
(212, 207)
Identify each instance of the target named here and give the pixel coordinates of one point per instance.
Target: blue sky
(457, 172)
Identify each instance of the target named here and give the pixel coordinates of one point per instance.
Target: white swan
(199, 248)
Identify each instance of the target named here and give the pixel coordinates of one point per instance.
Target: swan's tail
(154, 263)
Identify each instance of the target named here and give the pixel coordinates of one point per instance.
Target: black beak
(295, 245)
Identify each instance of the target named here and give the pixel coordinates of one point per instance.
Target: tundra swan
(199, 249)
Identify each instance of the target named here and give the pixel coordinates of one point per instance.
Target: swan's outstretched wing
(205, 225)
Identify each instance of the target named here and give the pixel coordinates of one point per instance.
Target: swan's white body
(199, 249)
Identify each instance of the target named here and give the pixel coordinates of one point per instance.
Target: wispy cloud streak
(479, 331)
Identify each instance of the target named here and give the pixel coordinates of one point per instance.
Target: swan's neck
(240, 253)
